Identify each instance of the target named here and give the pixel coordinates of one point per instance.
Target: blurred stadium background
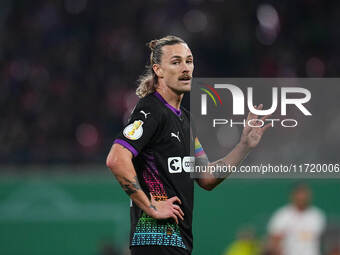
(68, 73)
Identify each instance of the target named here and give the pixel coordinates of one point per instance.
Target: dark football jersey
(159, 137)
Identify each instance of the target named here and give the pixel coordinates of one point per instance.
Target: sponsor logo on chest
(179, 164)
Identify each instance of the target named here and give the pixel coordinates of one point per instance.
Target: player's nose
(185, 68)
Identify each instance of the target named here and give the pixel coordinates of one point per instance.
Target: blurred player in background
(296, 228)
(151, 157)
(245, 243)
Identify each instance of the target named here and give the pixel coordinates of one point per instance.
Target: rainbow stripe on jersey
(150, 231)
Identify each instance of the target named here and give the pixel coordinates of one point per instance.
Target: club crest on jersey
(134, 131)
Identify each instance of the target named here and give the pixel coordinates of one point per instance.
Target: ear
(158, 70)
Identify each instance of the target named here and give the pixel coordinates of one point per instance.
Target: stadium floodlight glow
(238, 100)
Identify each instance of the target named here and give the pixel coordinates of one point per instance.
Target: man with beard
(150, 157)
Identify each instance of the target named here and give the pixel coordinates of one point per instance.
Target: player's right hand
(166, 209)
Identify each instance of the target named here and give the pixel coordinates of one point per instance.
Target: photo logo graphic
(204, 98)
(294, 96)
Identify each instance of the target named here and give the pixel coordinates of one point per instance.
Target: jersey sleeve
(320, 221)
(140, 129)
(278, 222)
(198, 149)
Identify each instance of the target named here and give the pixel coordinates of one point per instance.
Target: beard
(184, 82)
(182, 87)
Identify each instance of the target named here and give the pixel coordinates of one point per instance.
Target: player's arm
(120, 163)
(250, 138)
(274, 244)
(277, 230)
(208, 180)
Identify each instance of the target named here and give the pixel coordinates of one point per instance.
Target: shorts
(158, 250)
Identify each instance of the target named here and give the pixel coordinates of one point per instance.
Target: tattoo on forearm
(153, 207)
(134, 183)
(201, 161)
(221, 162)
(129, 186)
(221, 175)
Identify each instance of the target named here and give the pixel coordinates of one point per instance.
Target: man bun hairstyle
(147, 83)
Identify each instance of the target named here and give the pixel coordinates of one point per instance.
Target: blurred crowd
(68, 68)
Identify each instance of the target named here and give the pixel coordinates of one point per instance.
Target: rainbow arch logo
(211, 92)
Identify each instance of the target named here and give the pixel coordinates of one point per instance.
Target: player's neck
(300, 208)
(170, 96)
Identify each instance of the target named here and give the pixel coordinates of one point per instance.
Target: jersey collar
(173, 109)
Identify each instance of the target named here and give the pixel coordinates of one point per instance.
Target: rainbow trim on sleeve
(198, 148)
